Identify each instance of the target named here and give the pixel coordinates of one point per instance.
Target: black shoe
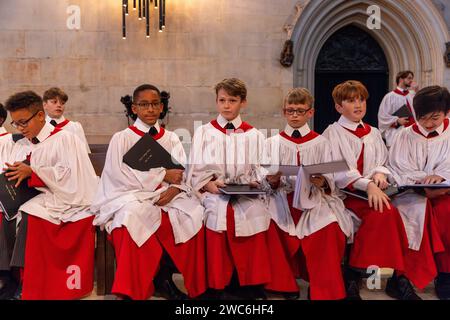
(9, 288)
(167, 289)
(442, 286)
(352, 284)
(18, 293)
(400, 288)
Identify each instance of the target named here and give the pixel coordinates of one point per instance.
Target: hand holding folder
(11, 198)
(403, 112)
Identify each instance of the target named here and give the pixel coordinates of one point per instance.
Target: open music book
(320, 168)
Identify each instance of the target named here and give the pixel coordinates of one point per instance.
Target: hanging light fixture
(143, 9)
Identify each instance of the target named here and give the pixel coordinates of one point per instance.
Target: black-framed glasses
(23, 123)
(146, 105)
(300, 112)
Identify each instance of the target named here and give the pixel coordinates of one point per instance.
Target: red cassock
(258, 259)
(317, 258)
(59, 259)
(137, 266)
(381, 238)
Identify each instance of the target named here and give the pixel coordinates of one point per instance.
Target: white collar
(304, 130)
(223, 122)
(45, 132)
(58, 120)
(439, 129)
(141, 125)
(3, 130)
(346, 123)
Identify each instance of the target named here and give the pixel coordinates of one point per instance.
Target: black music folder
(11, 198)
(147, 154)
(419, 186)
(403, 112)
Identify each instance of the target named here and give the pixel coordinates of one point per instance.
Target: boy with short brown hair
(54, 105)
(228, 150)
(380, 239)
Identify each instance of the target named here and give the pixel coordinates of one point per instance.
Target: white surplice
(60, 160)
(72, 126)
(347, 146)
(389, 105)
(127, 197)
(412, 157)
(6, 147)
(233, 158)
(328, 208)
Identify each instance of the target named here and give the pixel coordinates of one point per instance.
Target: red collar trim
(401, 92)
(417, 130)
(360, 132)
(310, 136)
(4, 134)
(244, 127)
(62, 124)
(142, 133)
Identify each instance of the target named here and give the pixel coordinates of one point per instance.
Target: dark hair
(24, 100)
(431, 99)
(403, 75)
(54, 93)
(128, 100)
(3, 114)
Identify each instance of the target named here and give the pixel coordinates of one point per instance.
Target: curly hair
(3, 114)
(127, 100)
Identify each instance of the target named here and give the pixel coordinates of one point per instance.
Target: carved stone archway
(412, 35)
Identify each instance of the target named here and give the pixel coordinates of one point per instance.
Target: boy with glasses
(320, 232)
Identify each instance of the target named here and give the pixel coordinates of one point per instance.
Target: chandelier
(143, 8)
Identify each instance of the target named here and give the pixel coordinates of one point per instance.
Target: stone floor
(377, 294)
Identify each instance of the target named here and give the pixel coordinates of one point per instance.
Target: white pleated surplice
(328, 208)
(231, 158)
(347, 146)
(127, 197)
(412, 157)
(60, 160)
(389, 105)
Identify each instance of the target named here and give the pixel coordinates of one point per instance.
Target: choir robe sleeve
(345, 146)
(118, 176)
(63, 165)
(79, 131)
(201, 168)
(178, 153)
(385, 114)
(413, 157)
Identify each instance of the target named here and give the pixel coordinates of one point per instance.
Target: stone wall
(204, 42)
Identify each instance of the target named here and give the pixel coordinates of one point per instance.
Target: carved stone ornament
(447, 54)
(287, 55)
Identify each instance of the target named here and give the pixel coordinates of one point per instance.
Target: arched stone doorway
(349, 54)
(412, 36)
